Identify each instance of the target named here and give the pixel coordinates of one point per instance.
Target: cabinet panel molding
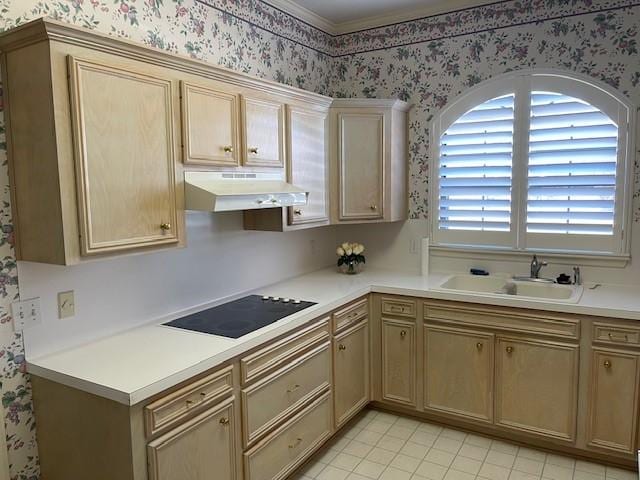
(263, 127)
(399, 361)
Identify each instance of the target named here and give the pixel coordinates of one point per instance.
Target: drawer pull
(297, 211)
(293, 389)
(341, 347)
(165, 226)
(352, 315)
(296, 443)
(203, 394)
(374, 207)
(615, 338)
(607, 364)
(403, 333)
(509, 350)
(224, 421)
(227, 149)
(253, 150)
(189, 403)
(479, 346)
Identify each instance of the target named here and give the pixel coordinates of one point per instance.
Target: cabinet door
(200, 449)
(459, 372)
(351, 372)
(263, 133)
(361, 152)
(125, 161)
(308, 163)
(536, 387)
(613, 400)
(399, 361)
(210, 126)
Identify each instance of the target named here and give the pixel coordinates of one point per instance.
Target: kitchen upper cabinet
(458, 372)
(307, 154)
(536, 387)
(211, 126)
(399, 361)
(123, 125)
(351, 372)
(369, 160)
(263, 123)
(201, 449)
(613, 400)
(307, 168)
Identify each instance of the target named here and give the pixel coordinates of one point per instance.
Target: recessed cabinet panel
(200, 449)
(536, 387)
(263, 133)
(458, 374)
(351, 371)
(399, 361)
(125, 163)
(613, 400)
(308, 164)
(361, 164)
(210, 126)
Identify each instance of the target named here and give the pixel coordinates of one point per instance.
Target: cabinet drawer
(278, 354)
(267, 402)
(350, 314)
(399, 308)
(616, 334)
(279, 454)
(173, 408)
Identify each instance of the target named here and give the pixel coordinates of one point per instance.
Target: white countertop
(134, 365)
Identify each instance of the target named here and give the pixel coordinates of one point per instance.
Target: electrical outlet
(66, 304)
(26, 313)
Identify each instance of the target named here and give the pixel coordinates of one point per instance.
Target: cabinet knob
(403, 333)
(224, 421)
(607, 364)
(509, 350)
(297, 211)
(189, 403)
(479, 346)
(341, 347)
(165, 226)
(228, 149)
(293, 389)
(374, 207)
(296, 443)
(253, 150)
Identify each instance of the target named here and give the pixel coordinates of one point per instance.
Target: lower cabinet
(613, 400)
(351, 371)
(202, 448)
(275, 457)
(458, 372)
(399, 361)
(536, 387)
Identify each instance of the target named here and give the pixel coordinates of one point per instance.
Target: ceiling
(343, 16)
(339, 11)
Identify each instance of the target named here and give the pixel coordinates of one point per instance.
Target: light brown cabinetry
(536, 386)
(613, 400)
(263, 124)
(369, 160)
(458, 372)
(210, 126)
(399, 361)
(351, 371)
(201, 449)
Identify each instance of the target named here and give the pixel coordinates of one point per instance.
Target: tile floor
(382, 446)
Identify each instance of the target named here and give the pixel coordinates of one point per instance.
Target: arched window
(533, 161)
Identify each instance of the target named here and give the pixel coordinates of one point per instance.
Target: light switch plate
(66, 304)
(26, 313)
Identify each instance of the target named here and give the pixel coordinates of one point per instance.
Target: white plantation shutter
(573, 152)
(533, 162)
(475, 169)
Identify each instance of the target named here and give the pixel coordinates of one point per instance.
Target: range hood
(229, 191)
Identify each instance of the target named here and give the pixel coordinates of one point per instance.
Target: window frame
(521, 83)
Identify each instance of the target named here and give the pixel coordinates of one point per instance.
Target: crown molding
(404, 15)
(304, 14)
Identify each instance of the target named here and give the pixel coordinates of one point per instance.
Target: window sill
(560, 258)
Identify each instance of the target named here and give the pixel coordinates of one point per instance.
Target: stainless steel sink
(540, 289)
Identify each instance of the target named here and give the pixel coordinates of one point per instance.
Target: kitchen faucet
(536, 266)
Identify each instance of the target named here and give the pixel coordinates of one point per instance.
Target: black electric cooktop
(242, 316)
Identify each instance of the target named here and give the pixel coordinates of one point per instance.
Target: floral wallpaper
(427, 62)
